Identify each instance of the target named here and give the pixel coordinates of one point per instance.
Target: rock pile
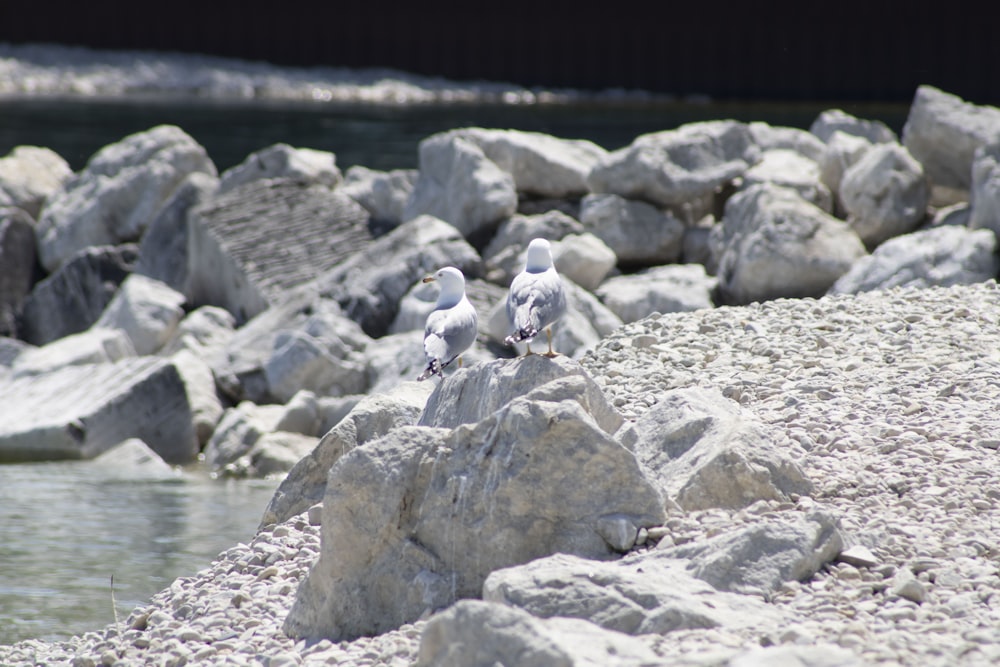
(799, 479)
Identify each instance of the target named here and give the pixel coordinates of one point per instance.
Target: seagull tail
(433, 368)
(527, 333)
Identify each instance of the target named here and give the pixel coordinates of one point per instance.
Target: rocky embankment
(805, 474)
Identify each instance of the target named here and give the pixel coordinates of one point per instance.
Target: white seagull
(537, 297)
(451, 326)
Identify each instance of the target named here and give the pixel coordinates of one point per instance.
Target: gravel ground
(891, 403)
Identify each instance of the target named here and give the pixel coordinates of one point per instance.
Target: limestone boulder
(663, 289)
(322, 364)
(771, 137)
(133, 461)
(584, 259)
(831, 121)
(643, 593)
(237, 432)
(147, 310)
(460, 185)
(163, 251)
(704, 451)
(772, 244)
(73, 298)
(678, 166)
(638, 233)
(504, 255)
(984, 200)
(20, 265)
(942, 133)
(942, 256)
(281, 161)
(885, 194)
(372, 417)
(118, 193)
(758, 559)
(473, 394)
(382, 193)
(249, 245)
(93, 346)
(473, 633)
(789, 169)
(842, 152)
(204, 332)
(418, 519)
(31, 174)
(80, 411)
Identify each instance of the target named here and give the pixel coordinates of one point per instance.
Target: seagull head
(452, 284)
(539, 256)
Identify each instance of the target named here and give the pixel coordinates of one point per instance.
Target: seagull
(451, 326)
(537, 297)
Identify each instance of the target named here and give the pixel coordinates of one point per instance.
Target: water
(67, 527)
(378, 137)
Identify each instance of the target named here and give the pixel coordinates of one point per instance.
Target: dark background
(750, 51)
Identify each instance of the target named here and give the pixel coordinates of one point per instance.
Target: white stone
(662, 289)
(789, 169)
(30, 174)
(93, 346)
(283, 161)
(831, 121)
(637, 232)
(383, 193)
(770, 137)
(147, 310)
(984, 200)
(584, 259)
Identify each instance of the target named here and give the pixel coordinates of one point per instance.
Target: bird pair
(535, 301)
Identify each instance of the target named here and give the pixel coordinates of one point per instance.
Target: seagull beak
(428, 279)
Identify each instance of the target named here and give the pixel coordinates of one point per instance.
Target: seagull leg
(460, 361)
(528, 347)
(548, 333)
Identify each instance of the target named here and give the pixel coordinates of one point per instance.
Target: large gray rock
(943, 131)
(831, 121)
(163, 251)
(772, 244)
(770, 137)
(984, 198)
(237, 432)
(473, 394)
(704, 451)
(419, 518)
(884, 193)
(637, 232)
(281, 161)
(787, 168)
(584, 259)
(81, 411)
(73, 298)
(249, 245)
(677, 166)
(643, 593)
(132, 461)
(116, 196)
(93, 346)
(204, 332)
(147, 310)
(30, 174)
(382, 193)
(324, 365)
(460, 185)
(842, 152)
(759, 558)
(374, 416)
(19, 262)
(370, 284)
(662, 289)
(473, 633)
(941, 256)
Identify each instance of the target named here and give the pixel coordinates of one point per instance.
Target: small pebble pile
(889, 400)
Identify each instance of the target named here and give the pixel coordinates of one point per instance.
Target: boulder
(831, 121)
(842, 152)
(758, 559)
(884, 193)
(324, 365)
(984, 199)
(941, 256)
(93, 346)
(584, 259)
(789, 169)
(772, 244)
(238, 431)
(147, 310)
(473, 633)
(281, 161)
(460, 185)
(73, 298)
(29, 175)
(133, 461)
(205, 332)
(704, 451)
(942, 132)
(769, 137)
(637, 232)
(540, 164)
(373, 416)
(504, 255)
(163, 251)
(80, 411)
(249, 245)
(640, 594)
(370, 284)
(473, 394)
(663, 289)
(674, 167)
(203, 401)
(275, 454)
(382, 193)
(301, 415)
(20, 266)
(117, 194)
(417, 519)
